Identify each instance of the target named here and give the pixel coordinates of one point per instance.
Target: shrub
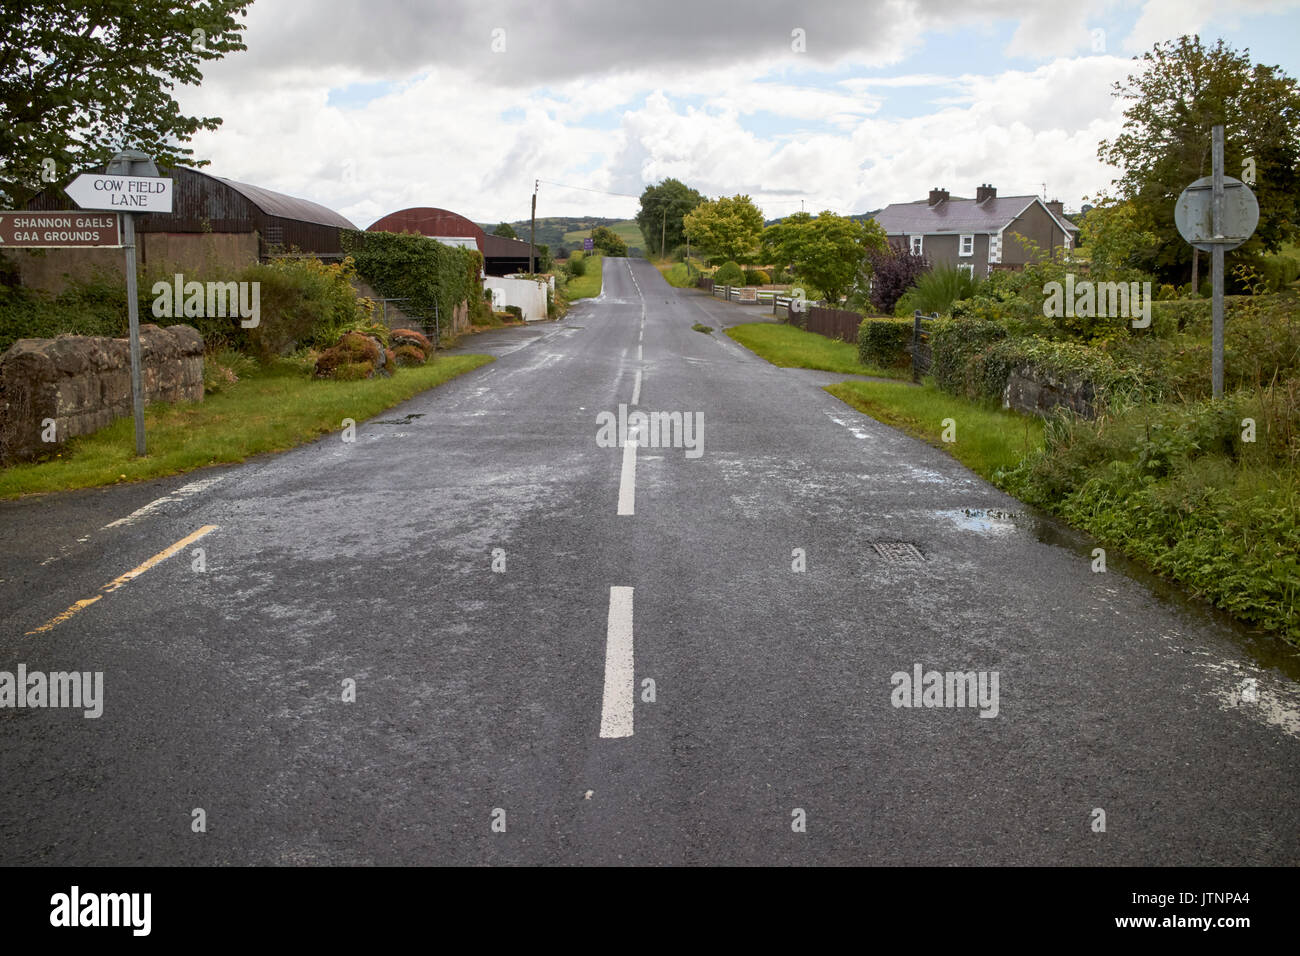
(409, 355)
(577, 265)
(953, 343)
(353, 348)
(399, 337)
(224, 367)
(894, 270)
(757, 277)
(96, 307)
(936, 291)
(432, 277)
(353, 371)
(515, 312)
(885, 343)
(729, 274)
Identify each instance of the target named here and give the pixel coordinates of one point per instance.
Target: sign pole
(1216, 367)
(133, 319)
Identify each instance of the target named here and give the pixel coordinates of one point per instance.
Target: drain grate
(899, 552)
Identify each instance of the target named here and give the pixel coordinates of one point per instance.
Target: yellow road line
(129, 576)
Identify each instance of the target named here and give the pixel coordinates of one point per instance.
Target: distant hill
(856, 217)
(569, 231)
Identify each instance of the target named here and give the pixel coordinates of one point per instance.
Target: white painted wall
(528, 294)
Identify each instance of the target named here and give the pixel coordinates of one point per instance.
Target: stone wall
(83, 383)
(1036, 392)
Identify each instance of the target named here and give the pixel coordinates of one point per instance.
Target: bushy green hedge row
(97, 307)
(1178, 486)
(974, 359)
(434, 278)
(300, 302)
(885, 343)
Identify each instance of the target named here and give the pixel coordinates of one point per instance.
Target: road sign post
(1217, 213)
(129, 185)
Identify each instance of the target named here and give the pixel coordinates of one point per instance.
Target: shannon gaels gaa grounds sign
(55, 229)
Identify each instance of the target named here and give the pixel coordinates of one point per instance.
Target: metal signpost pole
(1216, 367)
(133, 320)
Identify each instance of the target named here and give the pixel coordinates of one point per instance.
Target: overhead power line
(588, 189)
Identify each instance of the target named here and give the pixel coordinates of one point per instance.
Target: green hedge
(433, 277)
(974, 359)
(885, 343)
(729, 274)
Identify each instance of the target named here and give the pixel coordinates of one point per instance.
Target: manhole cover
(899, 552)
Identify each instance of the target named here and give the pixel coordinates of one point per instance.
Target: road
(501, 716)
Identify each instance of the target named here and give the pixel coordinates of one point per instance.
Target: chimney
(985, 191)
(938, 195)
(1057, 207)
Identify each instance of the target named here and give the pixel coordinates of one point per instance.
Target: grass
(790, 347)
(586, 286)
(625, 229)
(987, 437)
(272, 409)
(675, 274)
(701, 327)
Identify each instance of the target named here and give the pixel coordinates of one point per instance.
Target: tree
(727, 228)
(505, 231)
(1115, 242)
(80, 81)
(825, 252)
(663, 208)
(609, 242)
(1183, 90)
(894, 270)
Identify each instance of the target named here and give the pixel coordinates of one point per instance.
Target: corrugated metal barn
(500, 256)
(210, 204)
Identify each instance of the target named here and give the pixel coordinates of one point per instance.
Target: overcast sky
(369, 107)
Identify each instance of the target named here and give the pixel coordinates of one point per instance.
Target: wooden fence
(833, 323)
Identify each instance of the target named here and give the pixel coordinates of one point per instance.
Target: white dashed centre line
(627, 483)
(636, 389)
(616, 707)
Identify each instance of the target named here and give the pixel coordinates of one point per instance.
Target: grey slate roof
(956, 216)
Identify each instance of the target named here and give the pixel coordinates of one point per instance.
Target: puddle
(400, 421)
(981, 521)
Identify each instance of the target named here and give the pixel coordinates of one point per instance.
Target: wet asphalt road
(479, 691)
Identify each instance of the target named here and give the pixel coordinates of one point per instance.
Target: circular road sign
(1194, 214)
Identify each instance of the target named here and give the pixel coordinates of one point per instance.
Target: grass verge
(987, 437)
(790, 347)
(675, 274)
(271, 409)
(586, 286)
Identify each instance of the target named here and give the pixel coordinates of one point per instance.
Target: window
(916, 245)
(967, 246)
(968, 268)
(995, 247)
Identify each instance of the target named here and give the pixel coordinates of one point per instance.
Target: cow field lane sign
(121, 193)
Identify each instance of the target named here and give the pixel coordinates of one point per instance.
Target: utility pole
(1216, 267)
(532, 232)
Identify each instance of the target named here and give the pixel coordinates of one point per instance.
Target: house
(501, 256)
(976, 234)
